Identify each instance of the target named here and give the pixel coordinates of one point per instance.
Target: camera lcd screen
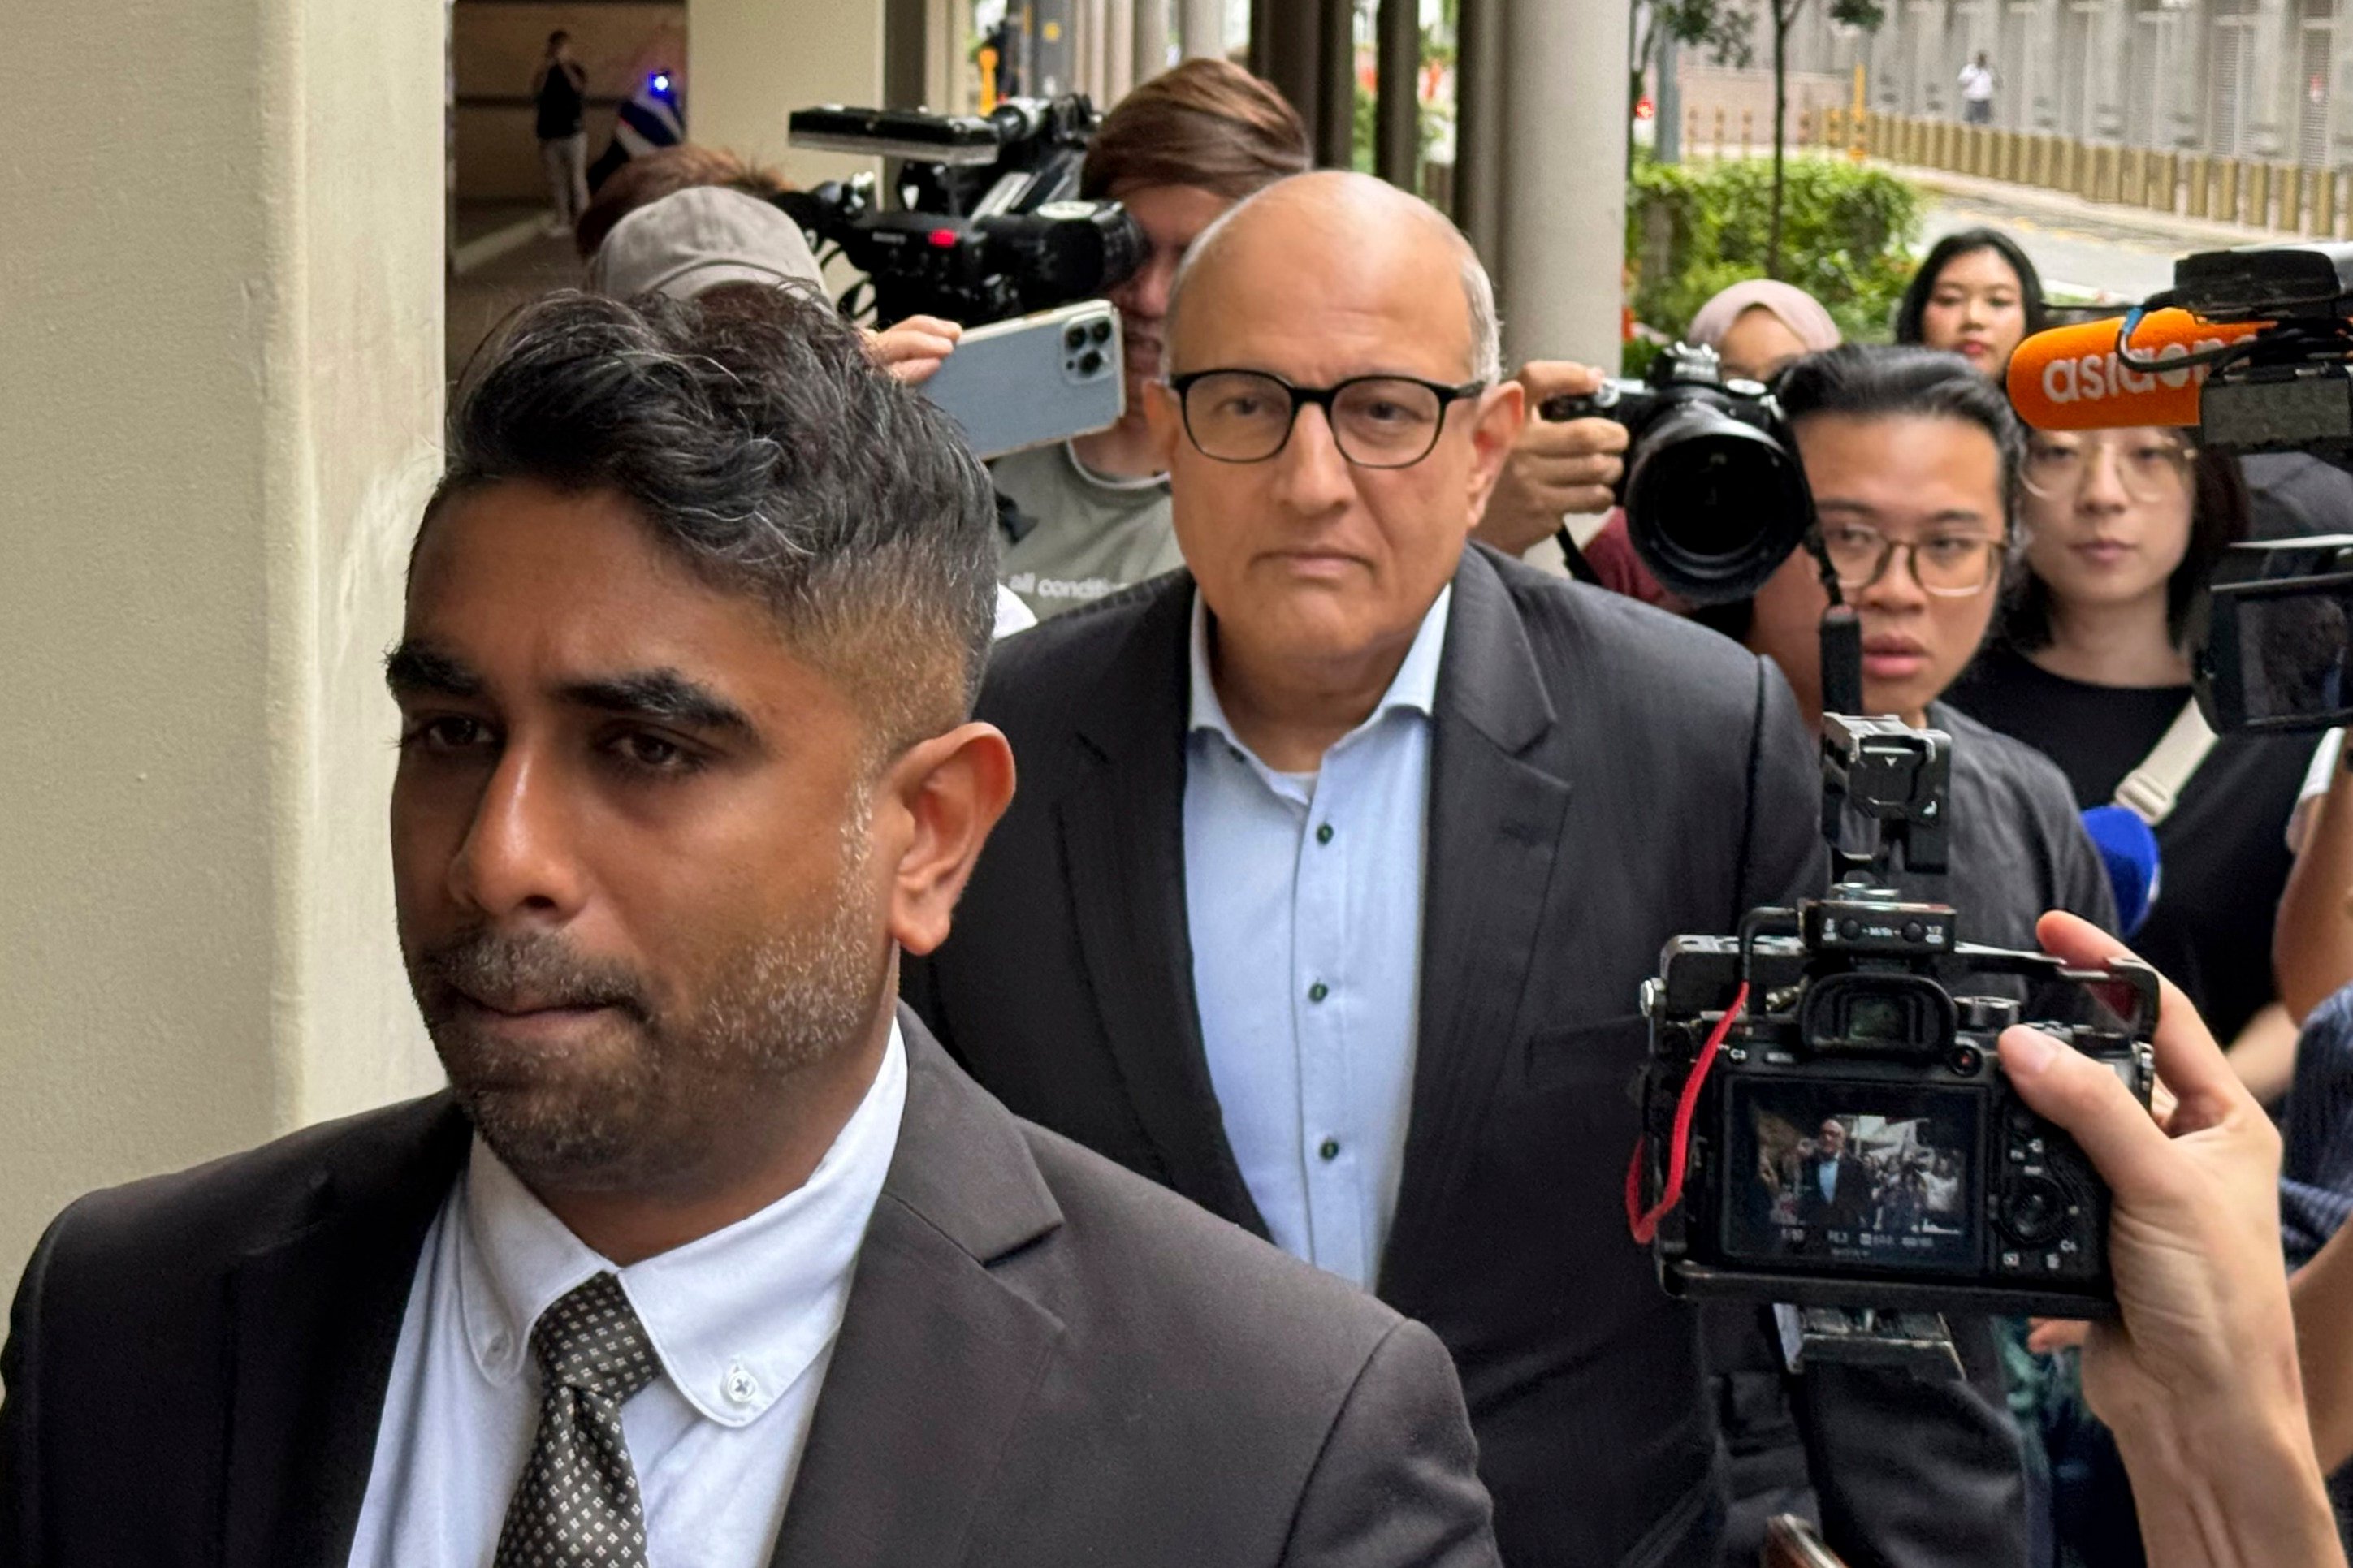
(1855, 1174)
(2292, 653)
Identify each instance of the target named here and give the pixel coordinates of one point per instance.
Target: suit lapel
(315, 1315)
(937, 1360)
(1495, 841)
(1122, 836)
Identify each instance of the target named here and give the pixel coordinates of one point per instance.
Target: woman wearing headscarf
(1756, 327)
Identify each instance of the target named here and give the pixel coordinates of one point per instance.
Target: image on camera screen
(1860, 1175)
(2292, 654)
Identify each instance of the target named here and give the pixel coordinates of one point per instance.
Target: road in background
(2086, 252)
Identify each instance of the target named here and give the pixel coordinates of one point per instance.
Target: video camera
(990, 226)
(2252, 347)
(1715, 497)
(1826, 1121)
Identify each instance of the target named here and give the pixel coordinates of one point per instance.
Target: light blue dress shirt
(1302, 895)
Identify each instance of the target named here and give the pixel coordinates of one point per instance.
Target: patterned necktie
(577, 1503)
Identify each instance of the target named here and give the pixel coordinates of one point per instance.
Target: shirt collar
(737, 1317)
(1414, 687)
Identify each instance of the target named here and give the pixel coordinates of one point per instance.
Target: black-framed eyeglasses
(1377, 421)
(1949, 565)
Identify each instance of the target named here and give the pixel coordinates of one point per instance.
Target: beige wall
(223, 346)
(754, 61)
(1708, 89)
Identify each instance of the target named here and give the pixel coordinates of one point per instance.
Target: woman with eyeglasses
(2090, 667)
(2123, 528)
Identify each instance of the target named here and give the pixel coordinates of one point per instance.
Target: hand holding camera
(2197, 1375)
(1559, 467)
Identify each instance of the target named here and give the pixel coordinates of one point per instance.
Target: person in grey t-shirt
(1091, 516)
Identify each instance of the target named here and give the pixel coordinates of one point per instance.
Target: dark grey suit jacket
(1045, 1362)
(1603, 776)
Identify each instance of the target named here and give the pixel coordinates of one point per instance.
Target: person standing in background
(1977, 93)
(1975, 294)
(559, 92)
(2123, 528)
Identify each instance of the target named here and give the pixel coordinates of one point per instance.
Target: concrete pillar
(225, 362)
(1285, 38)
(751, 62)
(1561, 257)
(2043, 30)
(1478, 125)
(1119, 48)
(1151, 56)
(1397, 136)
(1925, 20)
(2270, 129)
(1202, 27)
(1670, 104)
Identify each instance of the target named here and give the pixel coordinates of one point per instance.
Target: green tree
(1846, 230)
(1724, 29)
(1864, 14)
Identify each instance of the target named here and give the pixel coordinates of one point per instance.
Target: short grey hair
(1478, 288)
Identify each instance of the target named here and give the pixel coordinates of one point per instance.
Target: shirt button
(1330, 1149)
(1317, 992)
(1324, 833)
(742, 1386)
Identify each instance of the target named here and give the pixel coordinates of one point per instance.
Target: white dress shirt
(1302, 896)
(742, 1321)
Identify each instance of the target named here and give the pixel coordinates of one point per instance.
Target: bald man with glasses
(1338, 859)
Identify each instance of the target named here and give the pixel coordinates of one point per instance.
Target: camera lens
(1101, 331)
(1091, 362)
(1074, 338)
(1713, 506)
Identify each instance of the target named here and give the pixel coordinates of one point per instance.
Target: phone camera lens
(1101, 330)
(1091, 362)
(1075, 338)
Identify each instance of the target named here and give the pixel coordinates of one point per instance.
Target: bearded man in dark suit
(709, 1255)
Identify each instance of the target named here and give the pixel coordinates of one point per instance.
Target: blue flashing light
(662, 82)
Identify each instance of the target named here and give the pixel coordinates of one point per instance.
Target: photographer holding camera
(1911, 458)
(1091, 515)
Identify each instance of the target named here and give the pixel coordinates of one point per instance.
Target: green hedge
(1846, 238)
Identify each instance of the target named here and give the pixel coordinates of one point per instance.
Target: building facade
(2244, 79)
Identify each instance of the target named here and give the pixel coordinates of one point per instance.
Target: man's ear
(1502, 410)
(1166, 419)
(951, 790)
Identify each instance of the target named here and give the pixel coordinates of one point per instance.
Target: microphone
(2070, 378)
(2128, 849)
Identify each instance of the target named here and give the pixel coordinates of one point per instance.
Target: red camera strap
(1645, 1224)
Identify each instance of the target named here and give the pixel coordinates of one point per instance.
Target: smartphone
(1033, 380)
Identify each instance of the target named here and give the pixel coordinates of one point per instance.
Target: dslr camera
(988, 224)
(1715, 497)
(1826, 1121)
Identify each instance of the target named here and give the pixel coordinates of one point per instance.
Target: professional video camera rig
(988, 224)
(2273, 635)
